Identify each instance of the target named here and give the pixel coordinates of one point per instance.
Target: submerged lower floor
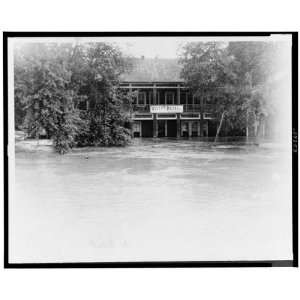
(173, 128)
(194, 125)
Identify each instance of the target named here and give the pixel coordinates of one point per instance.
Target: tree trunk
(220, 126)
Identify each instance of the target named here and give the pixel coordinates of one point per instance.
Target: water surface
(154, 200)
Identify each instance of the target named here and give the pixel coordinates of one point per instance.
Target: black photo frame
(156, 264)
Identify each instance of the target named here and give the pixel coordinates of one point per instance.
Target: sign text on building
(166, 108)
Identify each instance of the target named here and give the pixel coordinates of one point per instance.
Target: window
(169, 98)
(141, 99)
(183, 96)
(150, 98)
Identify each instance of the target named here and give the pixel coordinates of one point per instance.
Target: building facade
(164, 107)
(168, 109)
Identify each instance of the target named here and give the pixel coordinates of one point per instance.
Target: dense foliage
(69, 92)
(235, 77)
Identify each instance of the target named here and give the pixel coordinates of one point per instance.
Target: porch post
(178, 94)
(207, 127)
(166, 127)
(201, 116)
(190, 128)
(154, 94)
(198, 128)
(155, 127)
(178, 126)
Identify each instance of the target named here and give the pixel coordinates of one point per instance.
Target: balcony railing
(186, 108)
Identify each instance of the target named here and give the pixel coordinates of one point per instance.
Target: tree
(43, 81)
(107, 116)
(51, 80)
(207, 71)
(255, 68)
(236, 76)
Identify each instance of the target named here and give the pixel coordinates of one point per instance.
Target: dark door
(161, 128)
(147, 128)
(210, 129)
(172, 128)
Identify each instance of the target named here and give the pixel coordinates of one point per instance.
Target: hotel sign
(166, 108)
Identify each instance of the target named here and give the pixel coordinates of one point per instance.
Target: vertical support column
(155, 126)
(207, 127)
(201, 116)
(140, 128)
(198, 128)
(166, 127)
(178, 133)
(154, 94)
(178, 94)
(178, 126)
(190, 128)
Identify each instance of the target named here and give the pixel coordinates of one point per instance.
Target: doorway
(172, 128)
(147, 128)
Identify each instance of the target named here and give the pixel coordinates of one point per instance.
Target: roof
(153, 70)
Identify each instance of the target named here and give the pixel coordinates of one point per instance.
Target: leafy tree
(44, 83)
(107, 116)
(252, 67)
(235, 76)
(207, 71)
(51, 82)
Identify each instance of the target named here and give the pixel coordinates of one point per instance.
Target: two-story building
(164, 107)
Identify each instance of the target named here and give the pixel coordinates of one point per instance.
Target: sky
(150, 47)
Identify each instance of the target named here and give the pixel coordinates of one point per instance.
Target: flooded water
(154, 200)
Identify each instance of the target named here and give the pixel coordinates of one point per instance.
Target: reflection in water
(166, 200)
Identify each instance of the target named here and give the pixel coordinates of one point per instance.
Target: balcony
(186, 108)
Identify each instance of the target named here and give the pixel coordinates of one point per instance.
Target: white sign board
(166, 108)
